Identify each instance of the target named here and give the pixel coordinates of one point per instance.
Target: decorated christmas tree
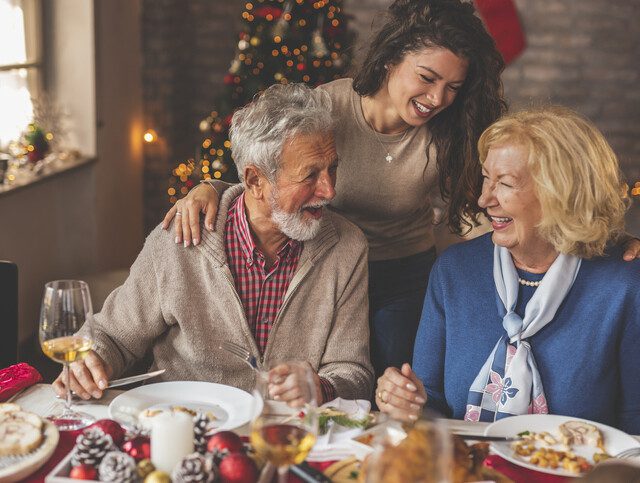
(281, 41)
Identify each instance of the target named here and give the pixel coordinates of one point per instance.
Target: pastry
(20, 431)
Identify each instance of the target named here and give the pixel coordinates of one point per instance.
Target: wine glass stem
(67, 377)
(283, 471)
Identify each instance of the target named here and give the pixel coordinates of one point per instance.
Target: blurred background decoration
(280, 41)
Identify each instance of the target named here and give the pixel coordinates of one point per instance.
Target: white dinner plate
(615, 440)
(231, 406)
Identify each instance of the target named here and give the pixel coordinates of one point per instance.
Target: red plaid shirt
(261, 291)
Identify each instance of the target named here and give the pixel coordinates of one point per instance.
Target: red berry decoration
(138, 447)
(83, 472)
(238, 468)
(112, 428)
(225, 441)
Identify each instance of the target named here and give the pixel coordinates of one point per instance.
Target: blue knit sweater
(588, 356)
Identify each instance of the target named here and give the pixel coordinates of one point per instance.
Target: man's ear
(254, 181)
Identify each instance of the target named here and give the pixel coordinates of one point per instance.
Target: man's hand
(88, 377)
(294, 383)
(400, 393)
(201, 199)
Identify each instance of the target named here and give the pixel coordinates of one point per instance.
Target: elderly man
(280, 275)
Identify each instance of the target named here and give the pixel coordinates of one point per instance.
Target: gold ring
(380, 397)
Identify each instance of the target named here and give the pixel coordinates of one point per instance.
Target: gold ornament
(145, 467)
(235, 66)
(255, 41)
(318, 46)
(157, 476)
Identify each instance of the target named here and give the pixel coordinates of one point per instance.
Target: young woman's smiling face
(425, 83)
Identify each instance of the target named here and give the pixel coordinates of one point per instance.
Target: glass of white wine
(280, 434)
(66, 306)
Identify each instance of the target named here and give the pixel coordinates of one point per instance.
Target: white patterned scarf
(509, 383)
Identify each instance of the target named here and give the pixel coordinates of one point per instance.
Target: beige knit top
(389, 201)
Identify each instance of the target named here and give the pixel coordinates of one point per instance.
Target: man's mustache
(320, 204)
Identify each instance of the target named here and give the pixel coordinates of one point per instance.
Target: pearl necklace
(529, 283)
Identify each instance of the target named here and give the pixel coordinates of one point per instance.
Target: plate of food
(227, 407)
(558, 445)
(26, 442)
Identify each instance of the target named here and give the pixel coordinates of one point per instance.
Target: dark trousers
(396, 295)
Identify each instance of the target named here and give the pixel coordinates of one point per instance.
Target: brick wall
(584, 54)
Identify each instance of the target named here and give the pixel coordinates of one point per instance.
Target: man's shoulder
(349, 235)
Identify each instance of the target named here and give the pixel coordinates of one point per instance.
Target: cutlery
(240, 352)
(483, 437)
(126, 380)
(628, 453)
(130, 380)
(308, 473)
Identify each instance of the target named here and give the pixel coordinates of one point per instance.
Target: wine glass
(280, 434)
(66, 306)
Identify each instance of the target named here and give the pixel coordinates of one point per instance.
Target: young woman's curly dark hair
(453, 25)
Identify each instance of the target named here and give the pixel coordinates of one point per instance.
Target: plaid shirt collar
(251, 252)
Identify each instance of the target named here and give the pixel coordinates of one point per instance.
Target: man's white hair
(260, 129)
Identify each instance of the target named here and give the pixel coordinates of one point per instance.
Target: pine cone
(194, 468)
(118, 467)
(91, 446)
(200, 427)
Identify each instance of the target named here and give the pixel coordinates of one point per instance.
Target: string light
(150, 136)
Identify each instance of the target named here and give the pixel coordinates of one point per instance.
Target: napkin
(335, 443)
(14, 379)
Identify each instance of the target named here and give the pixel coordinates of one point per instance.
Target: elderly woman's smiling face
(510, 201)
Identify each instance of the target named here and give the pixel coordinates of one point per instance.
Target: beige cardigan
(181, 303)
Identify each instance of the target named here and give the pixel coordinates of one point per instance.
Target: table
(41, 399)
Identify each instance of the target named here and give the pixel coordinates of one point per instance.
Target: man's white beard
(295, 225)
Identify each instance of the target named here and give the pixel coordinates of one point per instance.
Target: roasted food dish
(547, 450)
(417, 457)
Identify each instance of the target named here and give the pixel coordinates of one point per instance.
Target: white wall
(89, 219)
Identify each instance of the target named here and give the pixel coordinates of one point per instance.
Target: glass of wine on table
(281, 434)
(66, 306)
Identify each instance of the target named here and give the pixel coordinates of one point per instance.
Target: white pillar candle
(171, 439)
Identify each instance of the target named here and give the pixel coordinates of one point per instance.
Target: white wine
(67, 349)
(282, 444)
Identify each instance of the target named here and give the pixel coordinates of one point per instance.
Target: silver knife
(130, 380)
(482, 437)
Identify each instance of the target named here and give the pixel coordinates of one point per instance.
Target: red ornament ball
(228, 79)
(238, 468)
(225, 441)
(112, 428)
(83, 472)
(138, 447)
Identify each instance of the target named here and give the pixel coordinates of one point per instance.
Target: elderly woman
(542, 315)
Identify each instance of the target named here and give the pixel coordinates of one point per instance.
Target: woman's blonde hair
(576, 175)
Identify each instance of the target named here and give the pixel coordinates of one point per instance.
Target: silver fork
(242, 353)
(628, 453)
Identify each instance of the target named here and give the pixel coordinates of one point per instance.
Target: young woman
(407, 128)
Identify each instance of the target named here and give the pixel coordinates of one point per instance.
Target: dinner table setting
(346, 437)
(146, 429)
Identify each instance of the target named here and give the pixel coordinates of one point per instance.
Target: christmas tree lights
(281, 41)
